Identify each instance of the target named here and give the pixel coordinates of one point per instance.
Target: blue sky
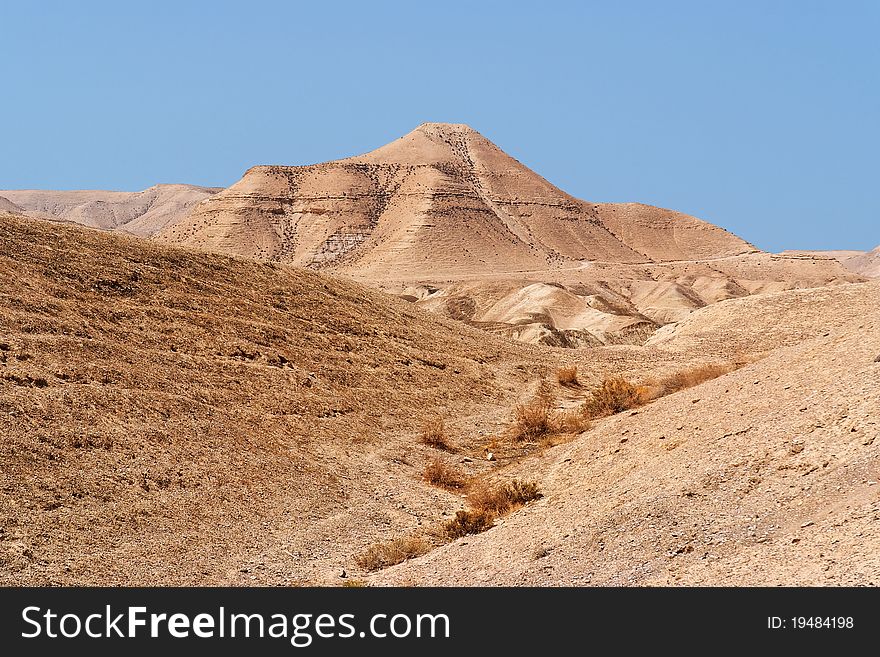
(762, 117)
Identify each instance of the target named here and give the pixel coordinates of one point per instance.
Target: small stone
(807, 524)
(467, 459)
(343, 574)
(877, 360)
(490, 456)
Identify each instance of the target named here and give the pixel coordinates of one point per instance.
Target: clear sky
(762, 117)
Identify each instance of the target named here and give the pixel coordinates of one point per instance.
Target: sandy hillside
(138, 213)
(767, 475)
(8, 206)
(862, 263)
(445, 218)
(179, 417)
(867, 264)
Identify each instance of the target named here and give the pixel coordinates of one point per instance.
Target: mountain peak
(446, 128)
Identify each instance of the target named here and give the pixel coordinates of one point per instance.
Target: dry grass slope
(168, 416)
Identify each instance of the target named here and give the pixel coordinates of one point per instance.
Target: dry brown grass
(383, 555)
(573, 420)
(534, 419)
(505, 498)
(433, 434)
(616, 394)
(441, 474)
(468, 522)
(613, 395)
(538, 421)
(690, 378)
(568, 376)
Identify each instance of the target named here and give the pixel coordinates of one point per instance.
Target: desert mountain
(446, 219)
(178, 417)
(8, 206)
(861, 263)
(139, 213)
(866, 264)
(442, 201)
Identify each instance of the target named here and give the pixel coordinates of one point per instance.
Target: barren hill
(165, 415)
(446, 219)
(139, 213)
(861, 263)
(176, 417)
(765, 476)
(442, 201)
(8, 206)
(867, 264)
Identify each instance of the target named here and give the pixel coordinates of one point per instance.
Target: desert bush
(690, 378)
(441, 474)
(505, 498)
(613, 395)
(568, 376)
(573, 420)
(383, 555)
(433, 434)
(468, 522)
(534, 419)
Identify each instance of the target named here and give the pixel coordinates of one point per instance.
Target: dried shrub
(383, 555)
(441, 474)
(690, 378)
(433, 434)
(468, 522)
(534, 420)
(573, 420)
(613, 395)
(568, 376)
(505, 498)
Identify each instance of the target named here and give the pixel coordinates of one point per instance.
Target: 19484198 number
(811, 622)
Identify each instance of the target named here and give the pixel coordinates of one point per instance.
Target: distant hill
(139, 213)
(442, 201)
